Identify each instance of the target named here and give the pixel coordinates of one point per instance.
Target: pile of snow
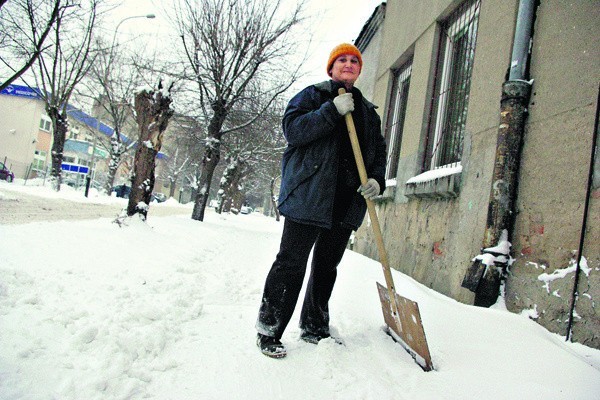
(166, 310)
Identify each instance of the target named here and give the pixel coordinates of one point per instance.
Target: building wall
(434, 240)
(44, 142)
(370, 56)
(19, 131)
(370, 67)
(554, 172)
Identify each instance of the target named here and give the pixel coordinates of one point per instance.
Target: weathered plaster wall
(435, 240)
(554, 172)
(370, 56)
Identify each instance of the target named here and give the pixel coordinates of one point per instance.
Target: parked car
(245, 210)
(122, 191)
(5, 173)
(158, 197)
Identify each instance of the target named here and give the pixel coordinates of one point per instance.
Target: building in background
(25, 130)
(26, 136)
(26, 140)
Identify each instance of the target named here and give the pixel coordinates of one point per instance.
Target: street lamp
(150, 16)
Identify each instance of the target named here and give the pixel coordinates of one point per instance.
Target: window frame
(39, 160)
(45, 124)
(396, 118)
(448, 111)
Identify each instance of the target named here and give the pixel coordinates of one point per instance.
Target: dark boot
(315, 339)
(311, 337)
(270, 346)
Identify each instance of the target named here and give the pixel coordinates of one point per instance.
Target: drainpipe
(484, 278)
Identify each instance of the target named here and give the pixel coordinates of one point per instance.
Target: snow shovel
(401, 315)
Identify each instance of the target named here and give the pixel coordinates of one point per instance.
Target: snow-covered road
(165, 310)
(19, 207)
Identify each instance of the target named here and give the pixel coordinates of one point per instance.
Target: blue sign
(21, 91)
(76, 168)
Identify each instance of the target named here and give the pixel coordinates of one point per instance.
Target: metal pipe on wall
(484, 280)
(519, 62)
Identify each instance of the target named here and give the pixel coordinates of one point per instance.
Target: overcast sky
(331, 22)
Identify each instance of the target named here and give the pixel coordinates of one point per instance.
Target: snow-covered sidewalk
(166, 310)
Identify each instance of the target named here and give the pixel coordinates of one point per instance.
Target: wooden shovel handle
(362, 173)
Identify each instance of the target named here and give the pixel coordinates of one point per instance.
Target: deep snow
(166, 310)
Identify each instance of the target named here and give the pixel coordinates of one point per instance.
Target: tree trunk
(223, 189)
(142, 181)
(236, 198)
(212, 155)
(232, 194)
(225, 186)
(116, 152)
(172, 184)
(60, 127)
(153, 113)
(221, 200)
(274, 200)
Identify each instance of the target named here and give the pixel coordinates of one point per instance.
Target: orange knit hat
(344, 48)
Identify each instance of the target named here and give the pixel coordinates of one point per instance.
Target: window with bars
(452, 86)
(395, 117)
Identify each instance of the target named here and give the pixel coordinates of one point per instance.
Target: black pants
(286, 276)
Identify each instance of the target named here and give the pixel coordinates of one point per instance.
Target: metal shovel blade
(408, 330)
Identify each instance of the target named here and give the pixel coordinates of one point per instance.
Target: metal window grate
(395, 118)
(452, 87)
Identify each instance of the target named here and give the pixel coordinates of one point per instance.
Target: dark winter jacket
(311, 125)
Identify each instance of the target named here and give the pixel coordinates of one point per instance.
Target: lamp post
(112, 46)
(150, 16)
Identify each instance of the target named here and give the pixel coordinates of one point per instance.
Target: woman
(320, 197)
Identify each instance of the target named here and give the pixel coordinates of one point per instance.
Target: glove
(369, 190)
(344, 103)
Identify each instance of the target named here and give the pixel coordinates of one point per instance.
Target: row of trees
(230, 70)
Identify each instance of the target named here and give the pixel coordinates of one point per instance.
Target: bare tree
(153, 111)
(25, 25)
(252, 154)
(180, 150)
(117, 80)
(268, 175)
(228, 45)
(273, 189)
(230, 193)
(61, 66)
